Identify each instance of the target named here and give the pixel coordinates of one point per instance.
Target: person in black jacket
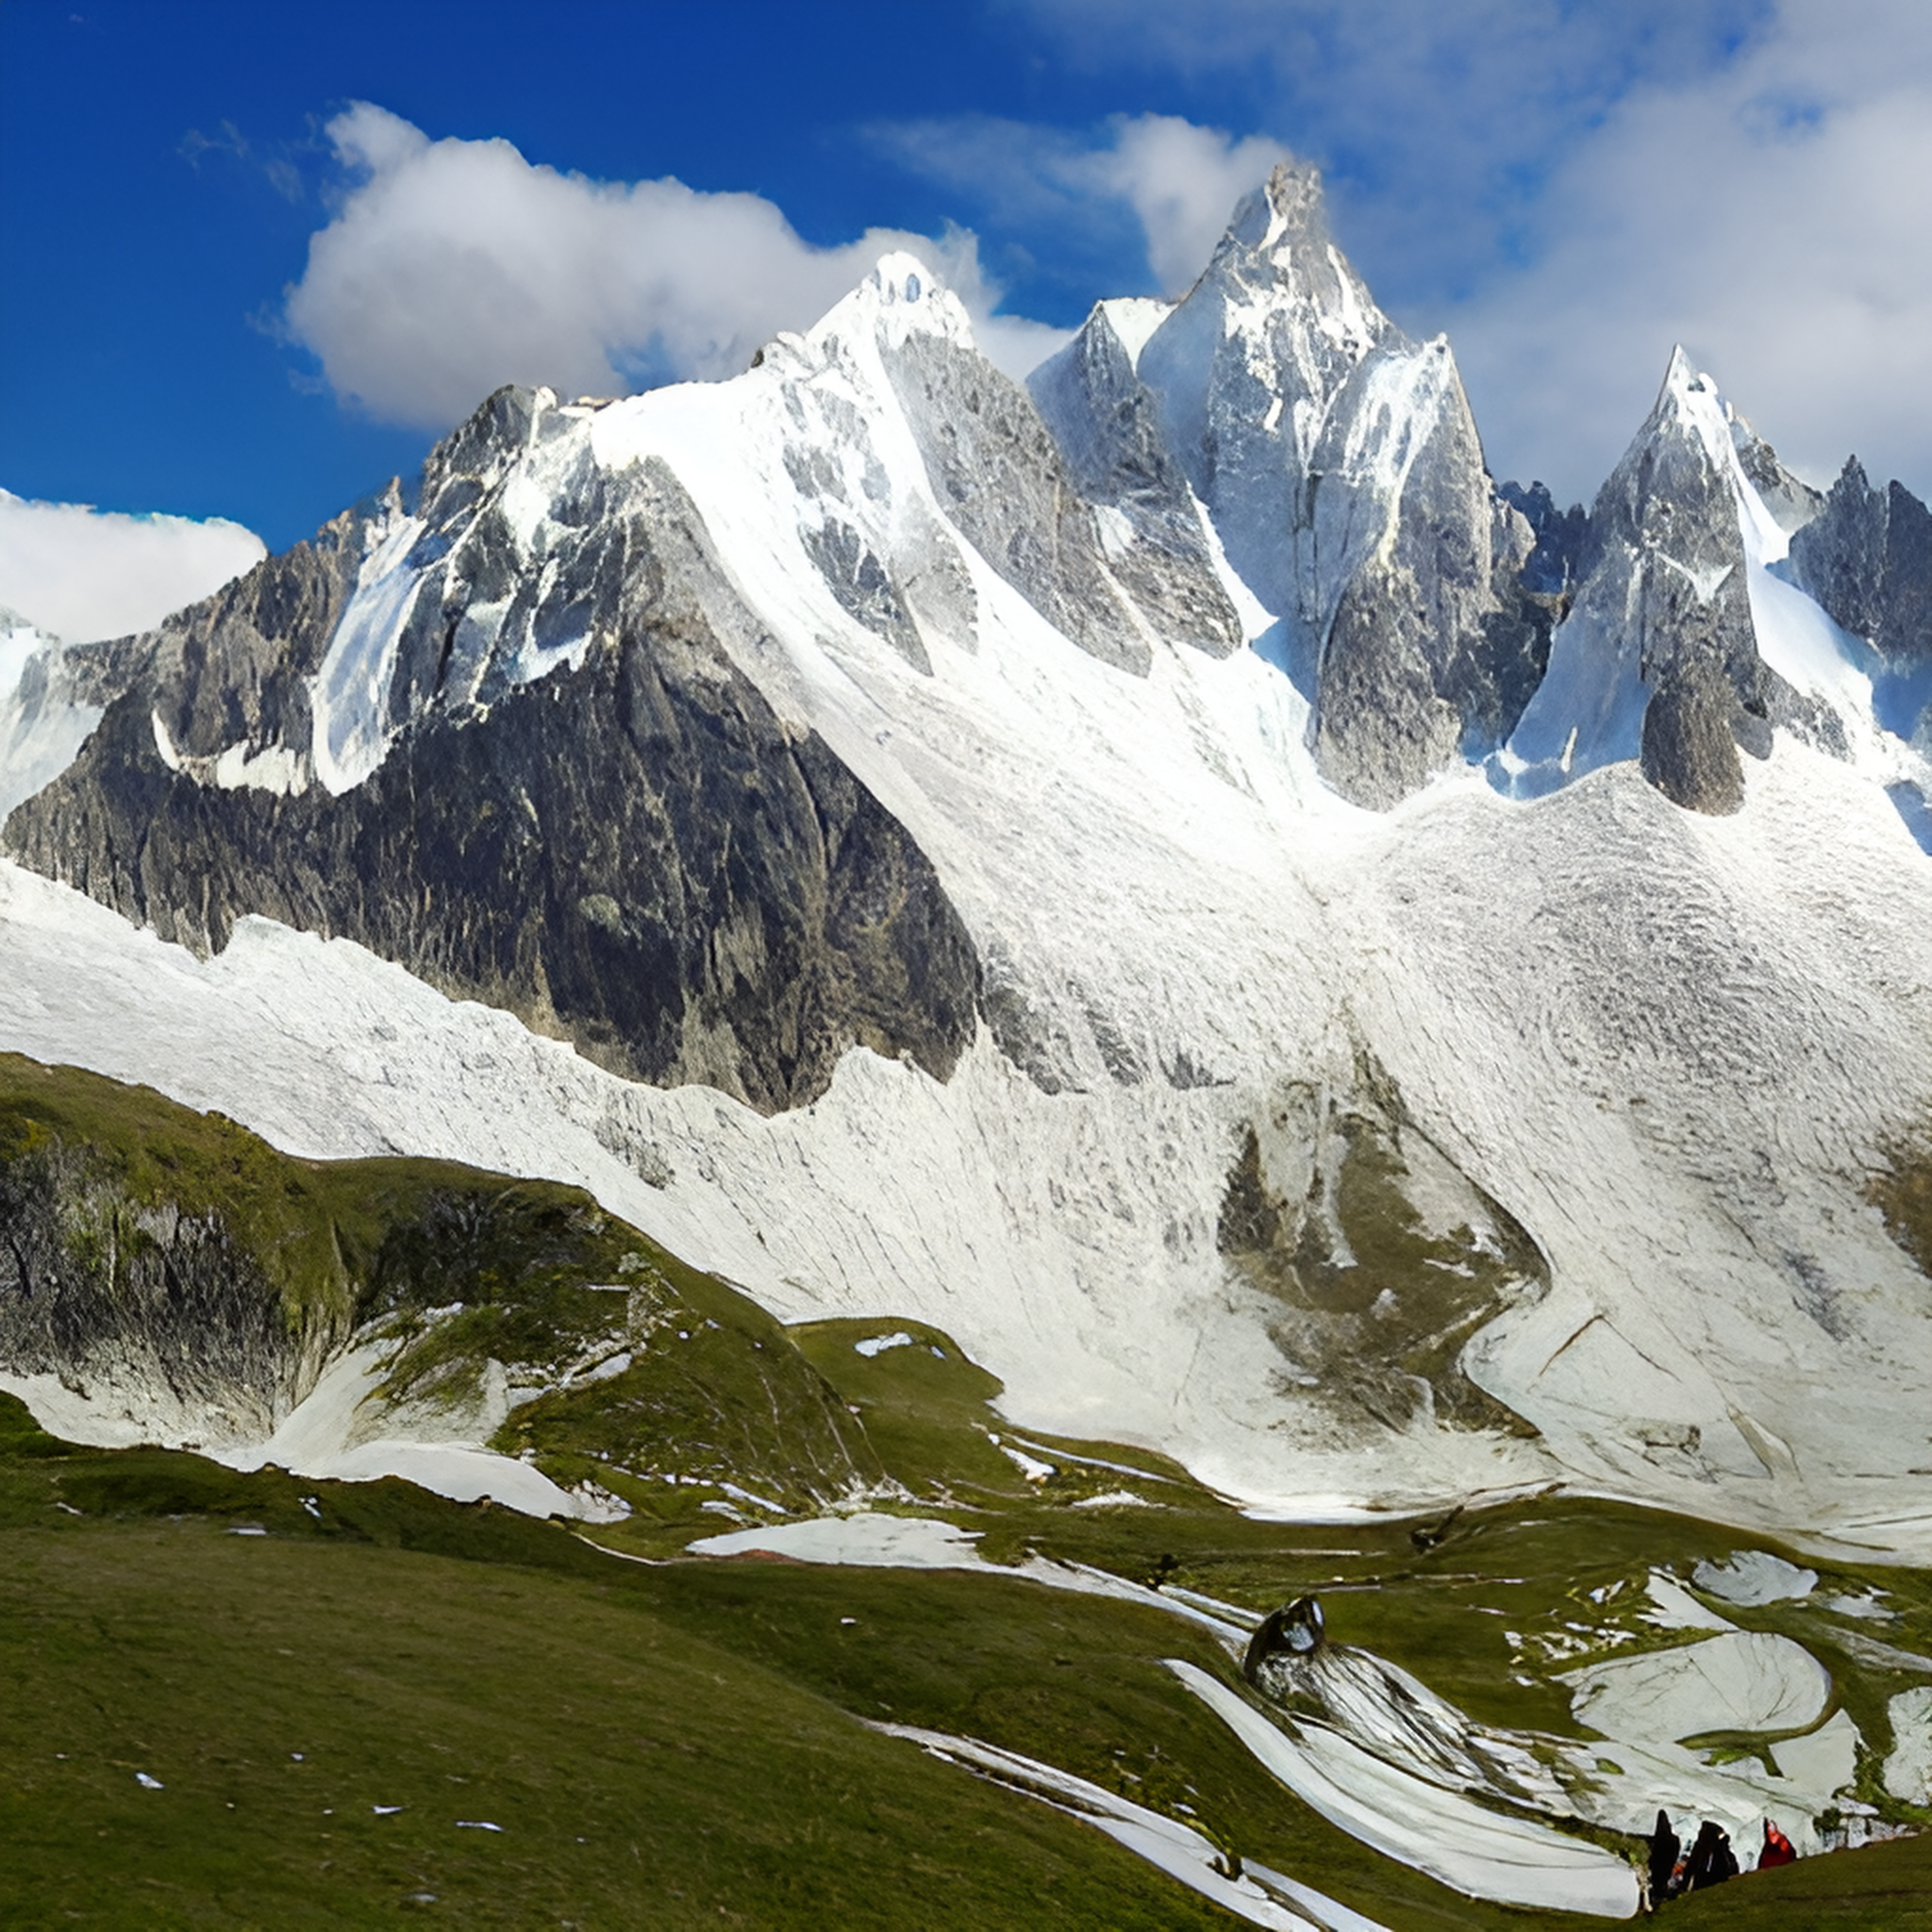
(1664, 1847)
(1712, 1861)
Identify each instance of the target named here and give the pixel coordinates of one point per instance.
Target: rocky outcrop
(635, 852)
(1658, 658)
(995, 471)
(1378, 1258)
(1690, 749)
(236, 669)
(1106, 423)
(1867, 558)
(1420, 657)
(127, 1295)
(1556, 535)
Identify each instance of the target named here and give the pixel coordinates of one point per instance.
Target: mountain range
(1298, 955)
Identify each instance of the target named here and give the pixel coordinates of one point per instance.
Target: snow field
(1475, 1851)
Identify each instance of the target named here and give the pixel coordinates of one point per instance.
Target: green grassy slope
(642, 1773)
(694, 1723)
(680, 1740)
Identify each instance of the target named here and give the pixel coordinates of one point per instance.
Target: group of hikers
(1286, 1637)
(1710, 1861)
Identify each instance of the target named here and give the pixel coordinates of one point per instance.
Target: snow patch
(1480, 1853)
(1751, 1578)
(1909, 1765)
(1260, 1897)
(1743, 1680)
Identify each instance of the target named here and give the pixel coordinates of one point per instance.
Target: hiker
(1664, 1847)
(1778, 1849)
(1711, 1858)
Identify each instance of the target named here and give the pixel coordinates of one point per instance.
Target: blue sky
(1566, 189)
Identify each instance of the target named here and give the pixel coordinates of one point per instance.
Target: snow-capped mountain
(1339, 470)
(1292, 953)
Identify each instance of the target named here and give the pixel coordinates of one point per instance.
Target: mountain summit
(1293, 951)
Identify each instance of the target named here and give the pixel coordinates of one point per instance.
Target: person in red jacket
(1778, 1849)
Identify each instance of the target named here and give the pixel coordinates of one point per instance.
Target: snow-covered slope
(44, 714)
(862, 769)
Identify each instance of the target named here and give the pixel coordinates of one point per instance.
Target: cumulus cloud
(454, 266)
(1570, 190)
(84, 574)
(1178, 181)
(1436, 124)
(1183, 182)
(1775, 218)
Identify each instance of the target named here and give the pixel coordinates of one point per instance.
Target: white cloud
(1776, 218)
(1435, 125)
(1179, 180)
(84, 574)
(454, 266)
(1183, 182)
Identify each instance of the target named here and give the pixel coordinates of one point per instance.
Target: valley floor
(317, 1724)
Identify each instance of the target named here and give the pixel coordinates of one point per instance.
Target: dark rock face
(1689, 752)
(1381, 728)
(237, 668)
(94, 1288)
(1867, 558)
(1839, 558)
(635, 853)
(1550, 568)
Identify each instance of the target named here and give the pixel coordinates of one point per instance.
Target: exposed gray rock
(1839, 558)
(1867, 558)
(48, 705)
(1550, 568)
(635, 853)
(865, 589)
(1414, 657)
(997, 475)
(1381, 730)
(1689, 752)
(1107, 424)
(1792, 502)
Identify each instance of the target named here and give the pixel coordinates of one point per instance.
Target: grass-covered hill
(256, 1699)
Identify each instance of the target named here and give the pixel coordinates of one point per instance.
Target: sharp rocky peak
(1339, 467)
(1658, 658)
